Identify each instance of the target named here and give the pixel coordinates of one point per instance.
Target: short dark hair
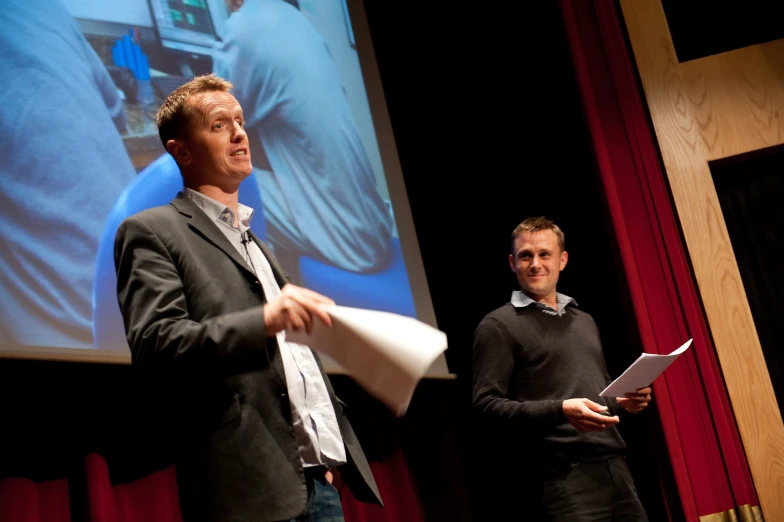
(537, 224)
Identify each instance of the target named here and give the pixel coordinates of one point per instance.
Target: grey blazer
(193, 316)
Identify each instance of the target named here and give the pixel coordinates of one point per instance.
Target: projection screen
(80, 152)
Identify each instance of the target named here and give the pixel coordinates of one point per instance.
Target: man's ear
(512, 263)
(179, 151)
(564, 259)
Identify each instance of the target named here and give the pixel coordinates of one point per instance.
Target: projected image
(80, 151)
(191, 15)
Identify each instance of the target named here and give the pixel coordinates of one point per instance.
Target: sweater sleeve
(492, 369)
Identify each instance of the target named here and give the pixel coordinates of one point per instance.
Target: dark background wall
(490, 129)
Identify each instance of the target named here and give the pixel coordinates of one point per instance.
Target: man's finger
(604, 420)
(307, 321)
(632, 405)
(295, 322)
(633, 401)
(322, 314)
(594, 406)
(313, 307)
(297, 315)
(637, 400)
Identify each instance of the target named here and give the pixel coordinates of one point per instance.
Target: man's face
(216, 141)
(537, 260)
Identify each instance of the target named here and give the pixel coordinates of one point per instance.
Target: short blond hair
(173, 116)
(537, 224)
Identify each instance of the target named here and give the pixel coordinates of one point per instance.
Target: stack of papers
(387, 354)
(642, 372)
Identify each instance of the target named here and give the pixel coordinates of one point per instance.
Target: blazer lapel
(198, 220)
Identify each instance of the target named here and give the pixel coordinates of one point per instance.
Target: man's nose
(536, 262)
(239, 133)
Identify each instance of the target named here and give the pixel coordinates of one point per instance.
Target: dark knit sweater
(526, 363)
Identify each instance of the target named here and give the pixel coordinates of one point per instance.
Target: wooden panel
(737, 98)
(685, 160)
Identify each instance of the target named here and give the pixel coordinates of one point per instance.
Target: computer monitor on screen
(185, 27)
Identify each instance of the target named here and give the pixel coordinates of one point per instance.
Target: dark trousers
(592, 492)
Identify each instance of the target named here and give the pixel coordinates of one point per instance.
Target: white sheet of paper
(387, 354)
(642, 372)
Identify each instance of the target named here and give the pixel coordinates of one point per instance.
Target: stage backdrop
(81, 152)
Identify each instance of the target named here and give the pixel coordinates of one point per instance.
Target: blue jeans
(323, 499)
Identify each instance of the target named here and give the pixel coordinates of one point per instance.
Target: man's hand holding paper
(637, 401)
(387, 354)
(295, 309)
(635, 381)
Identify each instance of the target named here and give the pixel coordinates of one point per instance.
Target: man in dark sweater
(538, 369)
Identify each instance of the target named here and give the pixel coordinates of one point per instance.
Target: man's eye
(240, 123)
(217, 126)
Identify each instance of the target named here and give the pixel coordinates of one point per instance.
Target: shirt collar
(520, 300)
(217, 211)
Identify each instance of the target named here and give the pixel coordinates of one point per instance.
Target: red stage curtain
(709, 465)
(149, 499)
(401, 502)
(23, 500)
(154, 497)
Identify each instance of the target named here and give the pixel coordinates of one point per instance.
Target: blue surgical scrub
(62, 167)
(321, 198)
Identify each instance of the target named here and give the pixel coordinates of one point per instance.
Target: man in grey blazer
(260, 433)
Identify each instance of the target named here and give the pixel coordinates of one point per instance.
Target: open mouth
(238, 153)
